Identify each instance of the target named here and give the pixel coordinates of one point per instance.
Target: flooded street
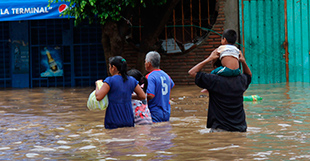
(54, 124)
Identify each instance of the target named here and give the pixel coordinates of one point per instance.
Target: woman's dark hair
(121, 65)
(139, 77)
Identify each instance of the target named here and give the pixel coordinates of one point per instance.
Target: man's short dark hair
(230, 35)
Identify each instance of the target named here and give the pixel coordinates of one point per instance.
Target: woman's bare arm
(102, 92)
(140, 95)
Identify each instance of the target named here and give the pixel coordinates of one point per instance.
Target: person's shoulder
(245, 76)
(149, 75)
(114, 77)
(163, 72)
(231, 46)
(107, 78)
(235, 48)
(221, 48)
(204, 74)
(153, 73)
(131, 77)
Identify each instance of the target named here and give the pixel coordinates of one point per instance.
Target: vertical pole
(191, 11)
(30, 57)
(200, 17)
(131, 29)
(183, 34)
(286, 42)
(209, 21)
(166, 37)
(174, 32)
(72, 67)
(243, 48)
(140, 25)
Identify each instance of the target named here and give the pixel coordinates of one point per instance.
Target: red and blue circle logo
(62, 8)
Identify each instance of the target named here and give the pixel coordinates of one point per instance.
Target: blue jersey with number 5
(159, 85)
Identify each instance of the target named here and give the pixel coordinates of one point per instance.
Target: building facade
(39, 48)
(41, 51)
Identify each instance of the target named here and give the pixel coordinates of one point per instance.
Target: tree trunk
(140, 62)
(113, 37)
(149, 39)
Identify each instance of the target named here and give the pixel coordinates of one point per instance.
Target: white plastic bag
(92, 102)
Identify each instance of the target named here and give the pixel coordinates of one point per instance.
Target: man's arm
(150, 87)
(214, 55)
(150, 96)
(245, 67)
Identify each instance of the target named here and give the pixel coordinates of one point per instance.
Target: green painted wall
(262, 28)
(262, 33)
(298, 40)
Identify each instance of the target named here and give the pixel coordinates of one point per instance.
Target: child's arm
(103, 91)
(214, 55)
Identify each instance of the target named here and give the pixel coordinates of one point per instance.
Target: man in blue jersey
(158, 89)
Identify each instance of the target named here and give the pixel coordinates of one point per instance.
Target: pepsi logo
(62, 8)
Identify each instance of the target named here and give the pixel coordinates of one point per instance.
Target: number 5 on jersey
(164, 85)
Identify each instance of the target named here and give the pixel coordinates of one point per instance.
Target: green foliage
(103, 10)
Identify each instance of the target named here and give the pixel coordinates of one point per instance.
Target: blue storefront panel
(5, 57)
(76, 50)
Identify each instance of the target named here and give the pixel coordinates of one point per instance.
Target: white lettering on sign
(30, 10)
(4, 12)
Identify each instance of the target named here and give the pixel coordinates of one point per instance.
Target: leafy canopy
(102, 10)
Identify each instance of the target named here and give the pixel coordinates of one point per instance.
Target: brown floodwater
(55, 124)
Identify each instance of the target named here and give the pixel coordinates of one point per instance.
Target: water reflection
(54, 124)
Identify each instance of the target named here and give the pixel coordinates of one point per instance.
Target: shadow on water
(54, 123)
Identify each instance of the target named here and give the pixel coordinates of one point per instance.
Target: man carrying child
(225, 112)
